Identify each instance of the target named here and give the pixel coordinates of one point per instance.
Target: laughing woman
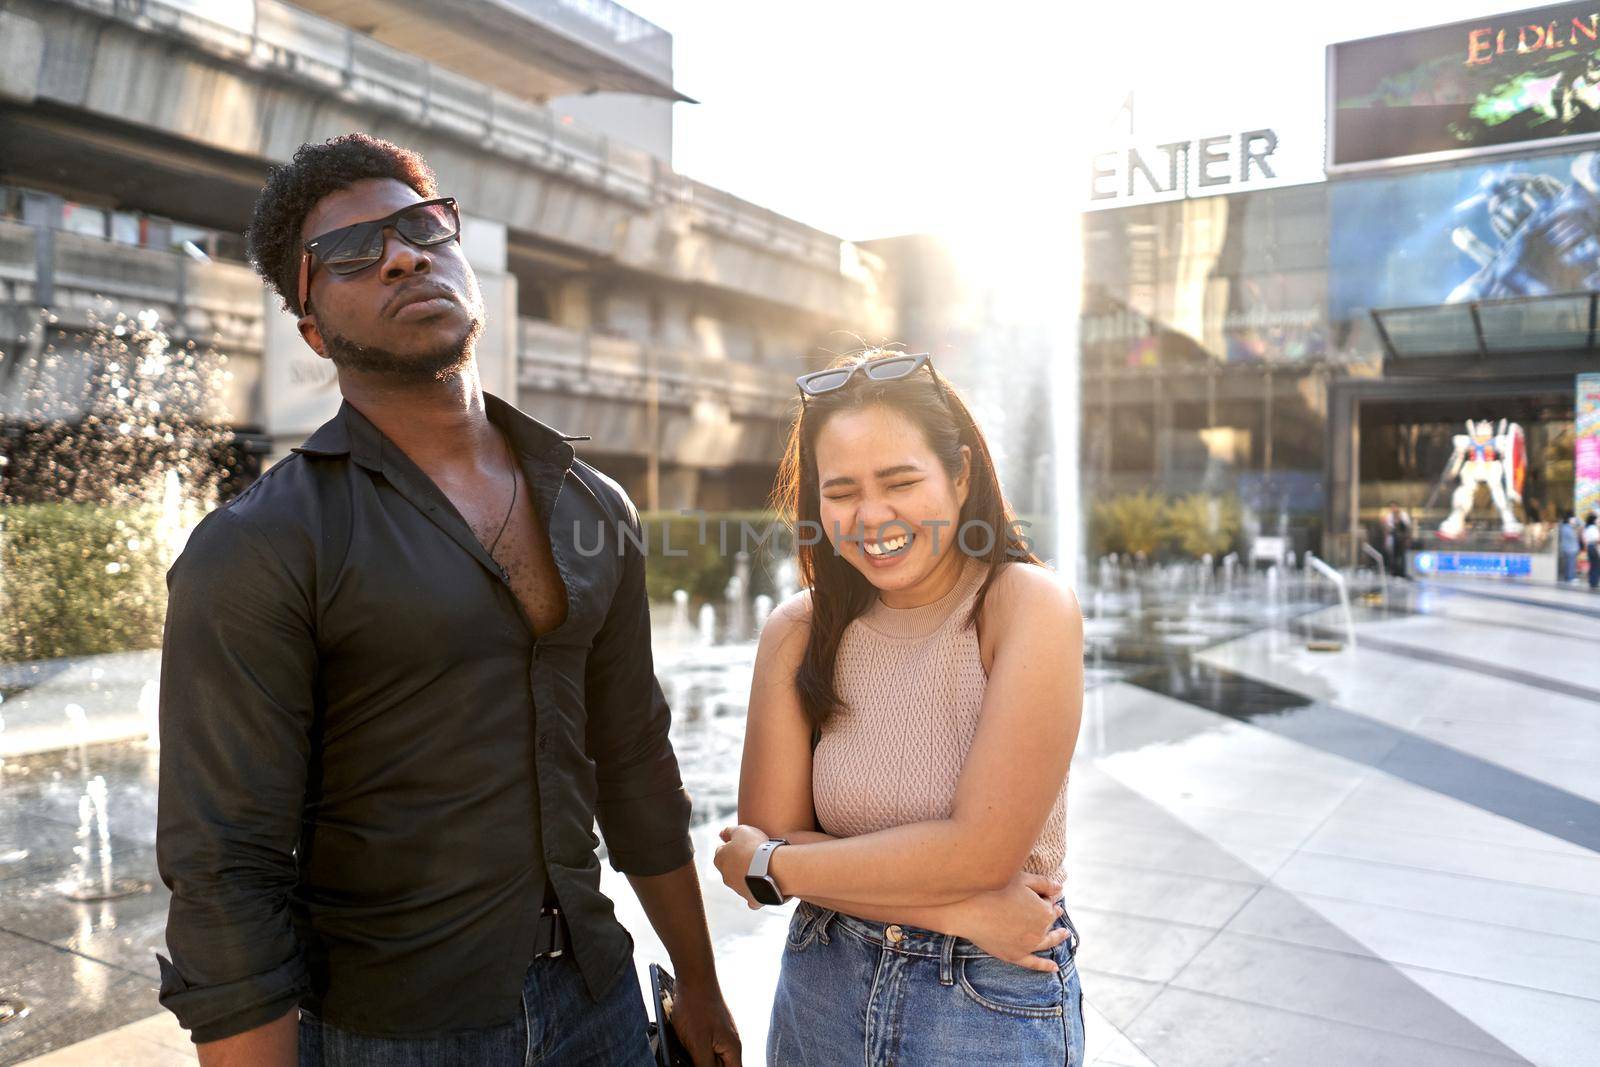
(912, 718)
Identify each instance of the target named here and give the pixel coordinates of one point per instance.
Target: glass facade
(1316, 351)
(1204, 332)
(1214, 280)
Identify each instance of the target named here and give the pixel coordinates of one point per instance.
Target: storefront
(1406, 334)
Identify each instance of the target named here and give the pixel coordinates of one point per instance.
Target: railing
(72, 270)
(610, 27)
(300, 45)
(591, 361)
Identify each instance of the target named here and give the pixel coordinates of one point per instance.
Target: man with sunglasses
(396, 697)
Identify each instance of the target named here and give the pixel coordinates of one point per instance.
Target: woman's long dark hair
(839, 592)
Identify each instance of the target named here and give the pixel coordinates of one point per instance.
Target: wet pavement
(1384, 854)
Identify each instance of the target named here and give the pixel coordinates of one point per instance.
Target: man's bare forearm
(275, 1044)
(675, 908)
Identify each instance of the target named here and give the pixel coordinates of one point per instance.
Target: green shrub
(678, 556)
(1202, 523)
(1192, 526)
(1131, 523)
(79, 579)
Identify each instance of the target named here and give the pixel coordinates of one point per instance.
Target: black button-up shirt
(371, 768)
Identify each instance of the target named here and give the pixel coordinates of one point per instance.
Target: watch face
(764, 890)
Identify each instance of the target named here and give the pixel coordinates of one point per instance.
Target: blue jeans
(854, 992)
(558, 1025)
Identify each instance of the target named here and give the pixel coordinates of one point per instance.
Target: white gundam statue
(1486, 456)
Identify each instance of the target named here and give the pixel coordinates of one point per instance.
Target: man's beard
(434, 365)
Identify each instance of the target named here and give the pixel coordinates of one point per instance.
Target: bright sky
(876, 117)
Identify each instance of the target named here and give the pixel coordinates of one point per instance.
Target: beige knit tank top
(911, 681)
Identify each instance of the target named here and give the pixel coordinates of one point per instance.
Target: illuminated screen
(1470, 86)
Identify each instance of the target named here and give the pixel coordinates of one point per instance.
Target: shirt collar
(351, 433)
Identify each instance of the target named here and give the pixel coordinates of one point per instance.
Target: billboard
(1484, 231)
(1484, 85)
(1586, 452)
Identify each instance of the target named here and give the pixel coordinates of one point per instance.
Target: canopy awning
(1436, 338)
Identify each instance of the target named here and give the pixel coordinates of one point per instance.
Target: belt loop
(822, 925)
(947, 956)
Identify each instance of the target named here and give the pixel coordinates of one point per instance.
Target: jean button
(895, 935)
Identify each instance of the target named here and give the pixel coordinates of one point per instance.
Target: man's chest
(525, 553)
(509, 528)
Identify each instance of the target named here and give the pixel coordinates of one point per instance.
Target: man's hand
(705, 1026)
(734, 856)
(699, 1015)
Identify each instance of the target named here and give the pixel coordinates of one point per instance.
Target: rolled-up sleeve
(642, 807)
(238, 676)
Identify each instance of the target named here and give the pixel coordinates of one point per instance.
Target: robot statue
(1497, 459)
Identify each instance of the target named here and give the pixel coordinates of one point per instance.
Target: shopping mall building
(1317, 349)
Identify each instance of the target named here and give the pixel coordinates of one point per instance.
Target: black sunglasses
(358, 246)
(882, 369)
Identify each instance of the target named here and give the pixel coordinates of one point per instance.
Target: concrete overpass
(662, 316)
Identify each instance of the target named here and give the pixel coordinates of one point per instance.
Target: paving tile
(1357, 990)
(117, 1048)
(1156, 894)
(1516, 957)
(1132, 718)
(1171, 846)
(1500, 903)
(1553, 869)
(1580, 739)
(1171, 780)
(1282, 916)
(126, 931)
(69, 997)
(1382, 803)
(1127, 945)
(163, 1029)
(1546, 1028)
(1200, 1030)
(1119, 998)
(1120, 1052)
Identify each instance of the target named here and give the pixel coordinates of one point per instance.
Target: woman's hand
(734, 856)
(1013, 923)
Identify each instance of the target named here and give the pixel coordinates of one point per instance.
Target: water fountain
(679, 629)
(93, 877)
(786, 578)
(131, 447)
(737, 601)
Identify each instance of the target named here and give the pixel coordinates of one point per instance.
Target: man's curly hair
(292, 190)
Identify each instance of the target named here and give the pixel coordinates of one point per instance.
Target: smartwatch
(758, 881)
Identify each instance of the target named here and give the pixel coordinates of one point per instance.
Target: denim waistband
(911, 940)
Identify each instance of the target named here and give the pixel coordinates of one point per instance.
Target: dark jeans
(558, 1025)
(1594, 566)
